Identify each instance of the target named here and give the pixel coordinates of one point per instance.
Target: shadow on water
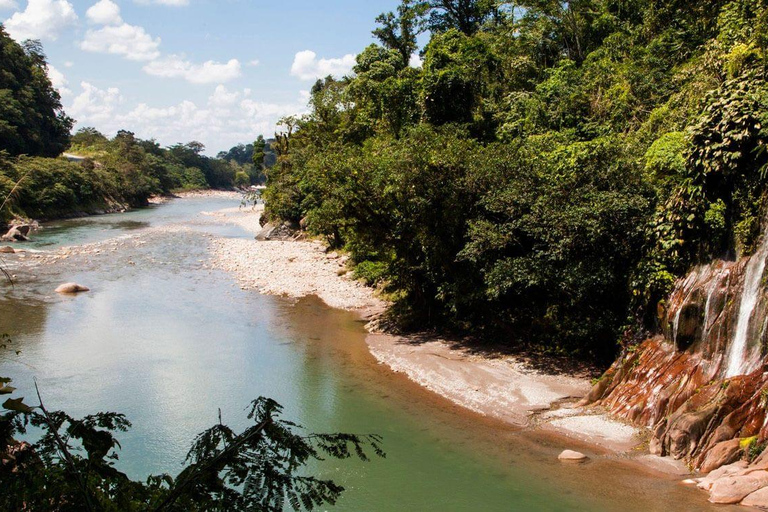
(168, 342)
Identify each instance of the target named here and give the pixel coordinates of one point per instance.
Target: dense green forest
(253, 158)
(548, 171)
(117, 173)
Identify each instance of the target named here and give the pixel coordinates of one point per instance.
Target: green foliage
(118, 173)
(549, 172)
(466, 16)
(242, 179)
(371, 272)
(71, 465)
(249, 159)
(32, 121)
(665, 159)
(458, 70)
(557, 231)
(399, 31)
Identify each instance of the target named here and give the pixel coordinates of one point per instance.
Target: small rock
(733, 489)
(69, 288)
(7, 250)
(758, 499)
(725, 471)
(572, 456)
(721, 454)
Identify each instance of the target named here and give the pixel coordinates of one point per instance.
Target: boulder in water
(72, 288)
(17, 234)
(7, 250)
(572, 456)
(733, 489)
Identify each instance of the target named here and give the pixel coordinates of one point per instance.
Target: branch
(90, 506)
(179, 488)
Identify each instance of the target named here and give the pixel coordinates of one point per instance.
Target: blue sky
(220, 72)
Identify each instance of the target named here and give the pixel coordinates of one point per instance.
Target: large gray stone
(284, 231)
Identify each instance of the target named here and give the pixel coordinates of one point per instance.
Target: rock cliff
(701, 385)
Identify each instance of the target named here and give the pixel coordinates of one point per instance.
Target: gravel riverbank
(502, 388)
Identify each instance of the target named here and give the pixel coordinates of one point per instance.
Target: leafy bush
(371, 272)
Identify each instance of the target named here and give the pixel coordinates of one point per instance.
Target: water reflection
(168, 342)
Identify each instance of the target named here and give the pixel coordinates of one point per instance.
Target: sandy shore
(228, 194)
(502, 388)
(293, 269)
(499, 387)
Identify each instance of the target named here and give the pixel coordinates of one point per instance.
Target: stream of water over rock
(738, 361)
(701, 386)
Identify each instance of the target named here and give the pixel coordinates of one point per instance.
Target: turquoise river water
(167, 341)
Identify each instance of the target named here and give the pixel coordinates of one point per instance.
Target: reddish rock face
(681, 383)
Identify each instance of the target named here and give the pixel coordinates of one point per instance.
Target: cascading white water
(737, 363)
(675, 324)
(711, 289)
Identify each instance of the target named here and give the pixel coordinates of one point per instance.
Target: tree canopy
(32, 121)
(550, 169)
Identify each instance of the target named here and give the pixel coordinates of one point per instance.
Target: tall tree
(32, 120)
(259, 147)
(399, 31)
(467, 16)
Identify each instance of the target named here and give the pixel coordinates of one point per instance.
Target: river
(168, 341)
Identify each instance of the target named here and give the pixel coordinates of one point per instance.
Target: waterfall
(675, 324)
(737, 363)
(711, 289)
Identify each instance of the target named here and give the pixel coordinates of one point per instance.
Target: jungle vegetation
(118, 172)
(547, 171)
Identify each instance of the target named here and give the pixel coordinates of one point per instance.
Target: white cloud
(94, 106)
(69, 64)
(42, 19)
(104, 12)
(416, 61)
(130, 41)
(254, 63)
(58, 80)
(228, 118)
(8, 4)
(222, 98)
(306, 66)
(209, 72)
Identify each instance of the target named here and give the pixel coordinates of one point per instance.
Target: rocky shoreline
(498, 387)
